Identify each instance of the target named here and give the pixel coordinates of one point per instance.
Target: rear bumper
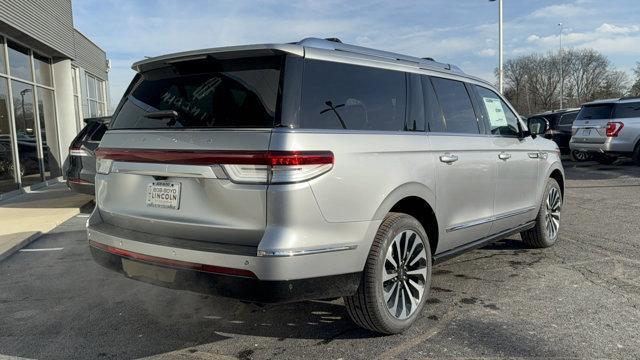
(610, 146)
(244, 288)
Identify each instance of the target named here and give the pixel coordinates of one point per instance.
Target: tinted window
(567, 119)
(600, 111)
(205, 94)
(627, 110)
(456, 106)
(342, 96)
(502, 120)
(415, 118)
(433, 111)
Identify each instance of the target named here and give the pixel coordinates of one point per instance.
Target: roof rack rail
(629, 97)
(423, 63)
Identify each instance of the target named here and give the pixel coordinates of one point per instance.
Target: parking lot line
(42, 249)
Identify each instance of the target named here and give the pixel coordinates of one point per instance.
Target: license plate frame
(586, 132)
(164, 195)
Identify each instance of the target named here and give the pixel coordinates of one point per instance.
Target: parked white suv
(286, 172)
(608, 129)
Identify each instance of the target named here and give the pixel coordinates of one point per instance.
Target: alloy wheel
(404, 274)
(552, 216)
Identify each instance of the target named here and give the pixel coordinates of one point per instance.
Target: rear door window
(627, 110)
(433, 111)
(344, 96)
(206, 93)
(501, 119)
(456, 106)
(599, 111)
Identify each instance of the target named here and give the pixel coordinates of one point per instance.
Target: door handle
(448, 158)
(534, 155)
(504, 156)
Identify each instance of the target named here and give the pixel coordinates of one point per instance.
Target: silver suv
(608, 129)
(313, 170)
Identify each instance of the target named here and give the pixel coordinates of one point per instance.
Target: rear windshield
(207, 93)
(627, 110)
(600, 111)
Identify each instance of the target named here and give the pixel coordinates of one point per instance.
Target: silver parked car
(312, 170)
(608, 129)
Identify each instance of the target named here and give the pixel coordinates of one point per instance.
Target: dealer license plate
(164, 195)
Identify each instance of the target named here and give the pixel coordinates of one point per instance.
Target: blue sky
(462, 32)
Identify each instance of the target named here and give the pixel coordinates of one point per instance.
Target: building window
(75, 79)
(42, 67)
(19, 61)
(29, 145)
(95, 96)
(3, 66)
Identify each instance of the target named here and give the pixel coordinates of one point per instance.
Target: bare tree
(635, 88)
(532, 82)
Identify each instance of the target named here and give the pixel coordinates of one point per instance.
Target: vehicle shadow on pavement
(591, 170)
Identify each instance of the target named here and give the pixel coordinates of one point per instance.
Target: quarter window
(502, 120)
(342, 96)
(627, 110)
(456, 106)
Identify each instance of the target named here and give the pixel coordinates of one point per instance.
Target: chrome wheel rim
(552, 216)
(404, 276)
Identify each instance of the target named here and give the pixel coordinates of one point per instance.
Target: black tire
(367, 308)
(605, 159)
(579, 156)
(636, 154)
(538, 236)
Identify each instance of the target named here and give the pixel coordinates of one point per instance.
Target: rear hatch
(590, 125)
(159, 164)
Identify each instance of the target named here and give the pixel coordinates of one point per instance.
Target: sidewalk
(27, 216)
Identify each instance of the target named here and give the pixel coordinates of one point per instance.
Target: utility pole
(500, 48)
(561, 67)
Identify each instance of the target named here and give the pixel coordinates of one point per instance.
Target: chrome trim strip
(470, 224)
(288, 253)
(489, 219)
(513, 213)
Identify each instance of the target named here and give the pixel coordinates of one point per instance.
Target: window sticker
(494, 108)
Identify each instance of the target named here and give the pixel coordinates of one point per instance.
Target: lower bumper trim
(243, 288)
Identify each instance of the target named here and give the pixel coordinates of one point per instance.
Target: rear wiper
(162, 114)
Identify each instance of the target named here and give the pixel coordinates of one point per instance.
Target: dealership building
(51, 78)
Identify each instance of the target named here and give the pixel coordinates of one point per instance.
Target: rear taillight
(574, 130)
(613, 128)
(255, 167)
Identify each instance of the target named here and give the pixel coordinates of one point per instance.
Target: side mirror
(537, 126)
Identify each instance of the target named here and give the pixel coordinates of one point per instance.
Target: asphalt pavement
(578, 299)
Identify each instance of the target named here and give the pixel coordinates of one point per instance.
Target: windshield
(600, 111)
(205, 93)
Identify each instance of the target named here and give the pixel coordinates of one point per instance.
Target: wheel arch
(417, 200)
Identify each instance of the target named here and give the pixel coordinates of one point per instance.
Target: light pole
(500, 56)
(561, 67)
(24, 120)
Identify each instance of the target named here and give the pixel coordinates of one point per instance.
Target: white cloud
(486, 52)
(613, 29)
(566, 11)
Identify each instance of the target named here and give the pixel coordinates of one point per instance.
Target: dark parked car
(560, 123)
(82, 161)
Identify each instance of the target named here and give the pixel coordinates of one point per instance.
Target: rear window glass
(568, 118)
(204, 93)
(98, 132)
(627, 110)
(343, 96)
(601, 111)
(456, 106)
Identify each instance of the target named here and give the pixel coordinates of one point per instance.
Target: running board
(446, 255)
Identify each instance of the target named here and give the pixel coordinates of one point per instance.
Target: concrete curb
(24, 242)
